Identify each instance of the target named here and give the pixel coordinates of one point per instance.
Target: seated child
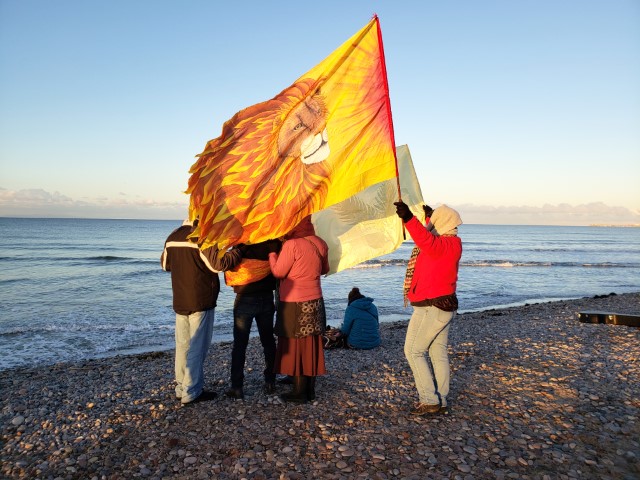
(360, 327)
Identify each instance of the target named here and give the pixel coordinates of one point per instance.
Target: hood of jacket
(363, 303)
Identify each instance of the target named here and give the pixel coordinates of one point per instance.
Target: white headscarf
(444, 221)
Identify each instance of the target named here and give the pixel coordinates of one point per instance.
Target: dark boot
(288, 380)
(298, 393)
(311, 388)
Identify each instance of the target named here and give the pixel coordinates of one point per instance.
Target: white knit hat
(444, 221)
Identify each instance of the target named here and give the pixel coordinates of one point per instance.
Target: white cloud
(33, 197)
(40, 203)
(596, 213)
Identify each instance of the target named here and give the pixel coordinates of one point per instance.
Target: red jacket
(436, 269)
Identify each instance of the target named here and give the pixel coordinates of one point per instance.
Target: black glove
(403, 211)
(428, 211)
(274, 246)
(242, 247)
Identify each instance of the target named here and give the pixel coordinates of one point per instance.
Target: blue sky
(523, 112)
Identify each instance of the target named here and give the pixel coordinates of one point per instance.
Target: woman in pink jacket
(301, 318)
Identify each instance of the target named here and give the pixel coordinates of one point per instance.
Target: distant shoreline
(629, 225)
(36, 217)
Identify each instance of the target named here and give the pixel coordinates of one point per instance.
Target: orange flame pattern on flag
(248, 271)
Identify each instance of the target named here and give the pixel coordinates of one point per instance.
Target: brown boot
(426, 409)
(298, 393)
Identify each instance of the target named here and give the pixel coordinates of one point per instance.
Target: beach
(535, 394)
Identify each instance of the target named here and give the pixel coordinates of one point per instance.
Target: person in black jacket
(254, 284)
(195, 285)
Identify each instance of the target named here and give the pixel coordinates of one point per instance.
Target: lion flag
(366, 226)
(318, 142)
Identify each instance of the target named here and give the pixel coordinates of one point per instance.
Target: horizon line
(37, 217)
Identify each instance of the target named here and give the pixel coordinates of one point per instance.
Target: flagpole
(383, 66)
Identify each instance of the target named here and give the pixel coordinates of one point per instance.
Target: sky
(515, 112)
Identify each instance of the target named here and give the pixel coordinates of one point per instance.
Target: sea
(78, 289)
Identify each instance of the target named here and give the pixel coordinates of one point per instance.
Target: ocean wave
(84, 327)
(129, 260)
(144, 273)
(514, 263)
(152, 345)
(80, 260)
(504, 264)
(500, 263)
(377, 263)
(106, 258)
(9, 281)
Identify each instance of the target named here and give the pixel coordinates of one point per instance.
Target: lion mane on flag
(279, 146)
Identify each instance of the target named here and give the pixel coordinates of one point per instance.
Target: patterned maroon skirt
(299, 326)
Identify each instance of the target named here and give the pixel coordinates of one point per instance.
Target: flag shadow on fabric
(366, 226)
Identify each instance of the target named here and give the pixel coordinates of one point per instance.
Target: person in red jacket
(430, 286)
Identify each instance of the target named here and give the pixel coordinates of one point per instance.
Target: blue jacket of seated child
(360, 324)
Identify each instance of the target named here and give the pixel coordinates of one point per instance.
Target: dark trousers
(245, 309)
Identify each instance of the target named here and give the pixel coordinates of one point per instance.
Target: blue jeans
(193, 338)
(425, 347)
(245, 309)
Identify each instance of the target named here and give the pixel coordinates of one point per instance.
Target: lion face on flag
(265, 172)
(303, 134)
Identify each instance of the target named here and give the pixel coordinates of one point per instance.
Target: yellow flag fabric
(321, 140)
(366, 226)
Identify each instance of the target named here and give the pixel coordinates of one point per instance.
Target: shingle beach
(535, 394)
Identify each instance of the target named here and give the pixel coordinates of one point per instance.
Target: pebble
(531, 398)
(19, 420)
